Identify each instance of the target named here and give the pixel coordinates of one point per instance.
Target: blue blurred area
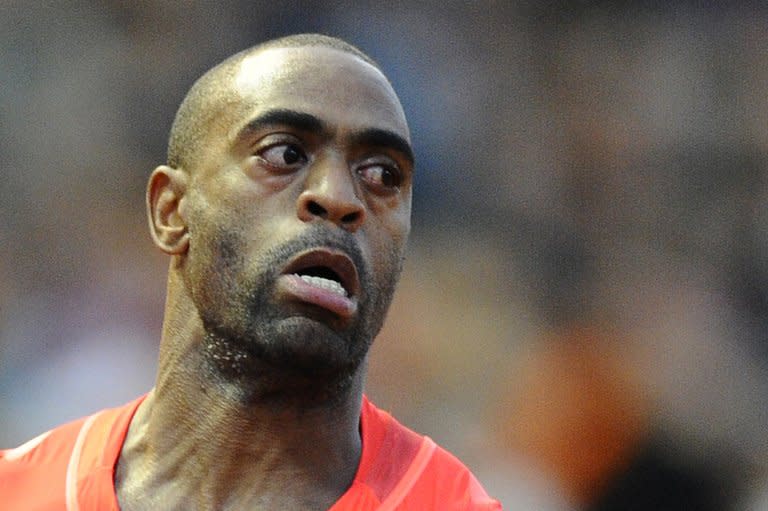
(582, 167)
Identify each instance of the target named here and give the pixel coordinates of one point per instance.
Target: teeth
(330, 285)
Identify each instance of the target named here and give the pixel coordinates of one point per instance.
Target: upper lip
(336, 261)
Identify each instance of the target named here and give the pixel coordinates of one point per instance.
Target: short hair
(191, 117)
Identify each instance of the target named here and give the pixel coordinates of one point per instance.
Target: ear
(165, 208)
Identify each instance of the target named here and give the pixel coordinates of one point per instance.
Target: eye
(283, 156)
(381, 176)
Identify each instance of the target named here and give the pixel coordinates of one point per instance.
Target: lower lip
(298, 289)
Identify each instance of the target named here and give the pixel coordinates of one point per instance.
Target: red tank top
(71, 468)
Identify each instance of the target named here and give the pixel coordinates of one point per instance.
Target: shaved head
(214, 88)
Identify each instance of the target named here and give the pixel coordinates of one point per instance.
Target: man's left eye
(283, 155)
(384, 177)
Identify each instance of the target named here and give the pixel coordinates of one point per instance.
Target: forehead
(337, 87)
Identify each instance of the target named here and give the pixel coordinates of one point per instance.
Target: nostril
(316, 209)
(313, 207)
(350, 218)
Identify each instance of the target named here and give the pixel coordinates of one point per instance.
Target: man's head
(286, 206)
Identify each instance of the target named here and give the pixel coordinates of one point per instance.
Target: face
(298, 212)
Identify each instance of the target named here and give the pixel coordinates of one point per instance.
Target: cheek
(214, 256)
(392, 216)
(389, 245)
(399, 228)
(216, 243)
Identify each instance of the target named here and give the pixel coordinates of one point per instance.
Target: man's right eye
(283, 156)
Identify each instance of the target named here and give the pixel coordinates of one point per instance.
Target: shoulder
(456, 483)
(34, 474)
(45, 472)
(427, 475)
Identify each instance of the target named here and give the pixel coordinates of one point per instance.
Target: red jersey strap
(90, 471)
(74, 466)
(393, 456)
(417, 466)
(402, 470)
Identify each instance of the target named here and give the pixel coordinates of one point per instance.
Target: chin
(314, 346)
(290, 360)
(298, 346)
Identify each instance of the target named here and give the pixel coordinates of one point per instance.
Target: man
(285, 208)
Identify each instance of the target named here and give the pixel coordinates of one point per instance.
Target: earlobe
(165, 199)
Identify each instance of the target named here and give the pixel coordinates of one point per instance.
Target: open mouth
(326, 268)
(325, 278)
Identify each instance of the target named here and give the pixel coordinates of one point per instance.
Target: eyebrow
(384, 138)
(282, 117)
(303, 121)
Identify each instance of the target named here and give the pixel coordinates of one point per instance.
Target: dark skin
(260, 381)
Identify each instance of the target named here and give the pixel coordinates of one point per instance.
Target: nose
(330, 195)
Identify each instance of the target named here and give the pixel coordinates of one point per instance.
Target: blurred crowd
(583, 316)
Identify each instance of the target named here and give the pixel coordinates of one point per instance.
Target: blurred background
(583, 316)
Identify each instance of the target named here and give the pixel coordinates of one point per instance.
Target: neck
(196, 443)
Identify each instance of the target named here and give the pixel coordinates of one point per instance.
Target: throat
(246, 379)
(219, 455)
